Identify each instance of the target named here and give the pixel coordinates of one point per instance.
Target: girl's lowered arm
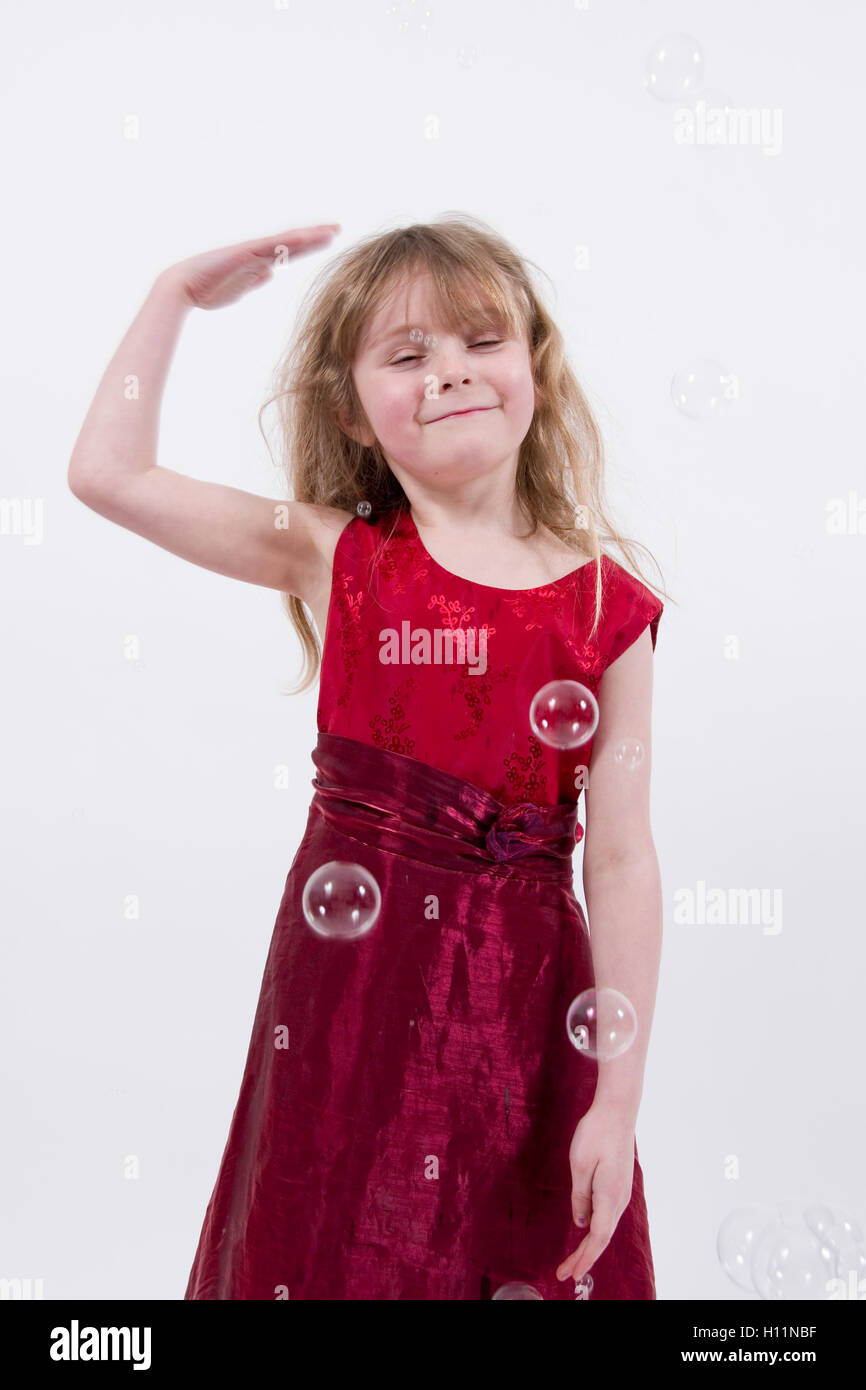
(621, 874)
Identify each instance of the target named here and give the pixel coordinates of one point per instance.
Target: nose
(449, 371)
(450, 379)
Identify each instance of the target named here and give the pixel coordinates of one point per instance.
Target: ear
(362, 434)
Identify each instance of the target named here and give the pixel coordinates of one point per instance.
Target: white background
(129, 1037)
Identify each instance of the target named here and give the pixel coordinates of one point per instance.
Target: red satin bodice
(473, 725)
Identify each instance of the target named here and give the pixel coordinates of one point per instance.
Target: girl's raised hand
(217, 278)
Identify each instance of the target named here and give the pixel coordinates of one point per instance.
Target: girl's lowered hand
(601, 1156)
(217, 278)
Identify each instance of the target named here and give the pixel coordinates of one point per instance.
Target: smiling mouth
(476, 410)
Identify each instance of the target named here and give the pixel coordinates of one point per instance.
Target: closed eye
(488, 342)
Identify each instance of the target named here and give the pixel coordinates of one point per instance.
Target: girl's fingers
(593, 1245)
(581, 1207)
(568, 1265)
(578, 1264)
(587, 1255)
(300, 237)
(567, 1269)
(582, 1259)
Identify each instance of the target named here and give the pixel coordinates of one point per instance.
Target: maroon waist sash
(408, 807)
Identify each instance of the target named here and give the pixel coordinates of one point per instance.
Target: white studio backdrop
(158, 779)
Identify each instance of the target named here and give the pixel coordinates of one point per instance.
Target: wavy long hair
(560, 469)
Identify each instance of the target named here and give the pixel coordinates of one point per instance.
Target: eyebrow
(394, 333)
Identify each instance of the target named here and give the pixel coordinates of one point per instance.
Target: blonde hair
(559, 479)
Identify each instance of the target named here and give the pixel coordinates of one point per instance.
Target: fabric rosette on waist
(516, 830)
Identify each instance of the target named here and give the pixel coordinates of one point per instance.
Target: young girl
(414, 1121)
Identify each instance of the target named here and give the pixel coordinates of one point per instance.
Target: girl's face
(412, 392)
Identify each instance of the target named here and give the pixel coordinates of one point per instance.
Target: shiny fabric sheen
(411, 1141)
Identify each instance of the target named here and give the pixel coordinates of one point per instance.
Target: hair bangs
(477, 296)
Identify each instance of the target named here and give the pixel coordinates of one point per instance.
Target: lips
(473, 410)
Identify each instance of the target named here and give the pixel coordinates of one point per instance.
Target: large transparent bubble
(341, 900)
(564, 714)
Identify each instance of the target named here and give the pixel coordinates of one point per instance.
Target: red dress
(409, 1097)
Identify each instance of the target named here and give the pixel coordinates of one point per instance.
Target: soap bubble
(422, 339)
(843, 1238)
(517, 1291)
(601, 1023)
(737, 1238)
(564, 714)
(629, 754)
(675, 68)
(789, 1262)
(819, 1219)
(844, 1231)
(341, 900)
(703, 389)
(411, 16)
(851, 1260)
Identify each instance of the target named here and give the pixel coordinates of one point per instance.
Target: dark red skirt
(411, 1140)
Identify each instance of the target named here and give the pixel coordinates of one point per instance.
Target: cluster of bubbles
(411, 17)
(564, 714)
(525, 1292)
(415, 19)
(782, 1253)
(422, 339)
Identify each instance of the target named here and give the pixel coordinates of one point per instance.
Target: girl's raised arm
(113, 467)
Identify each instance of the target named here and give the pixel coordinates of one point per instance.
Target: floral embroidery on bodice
(442, 669)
